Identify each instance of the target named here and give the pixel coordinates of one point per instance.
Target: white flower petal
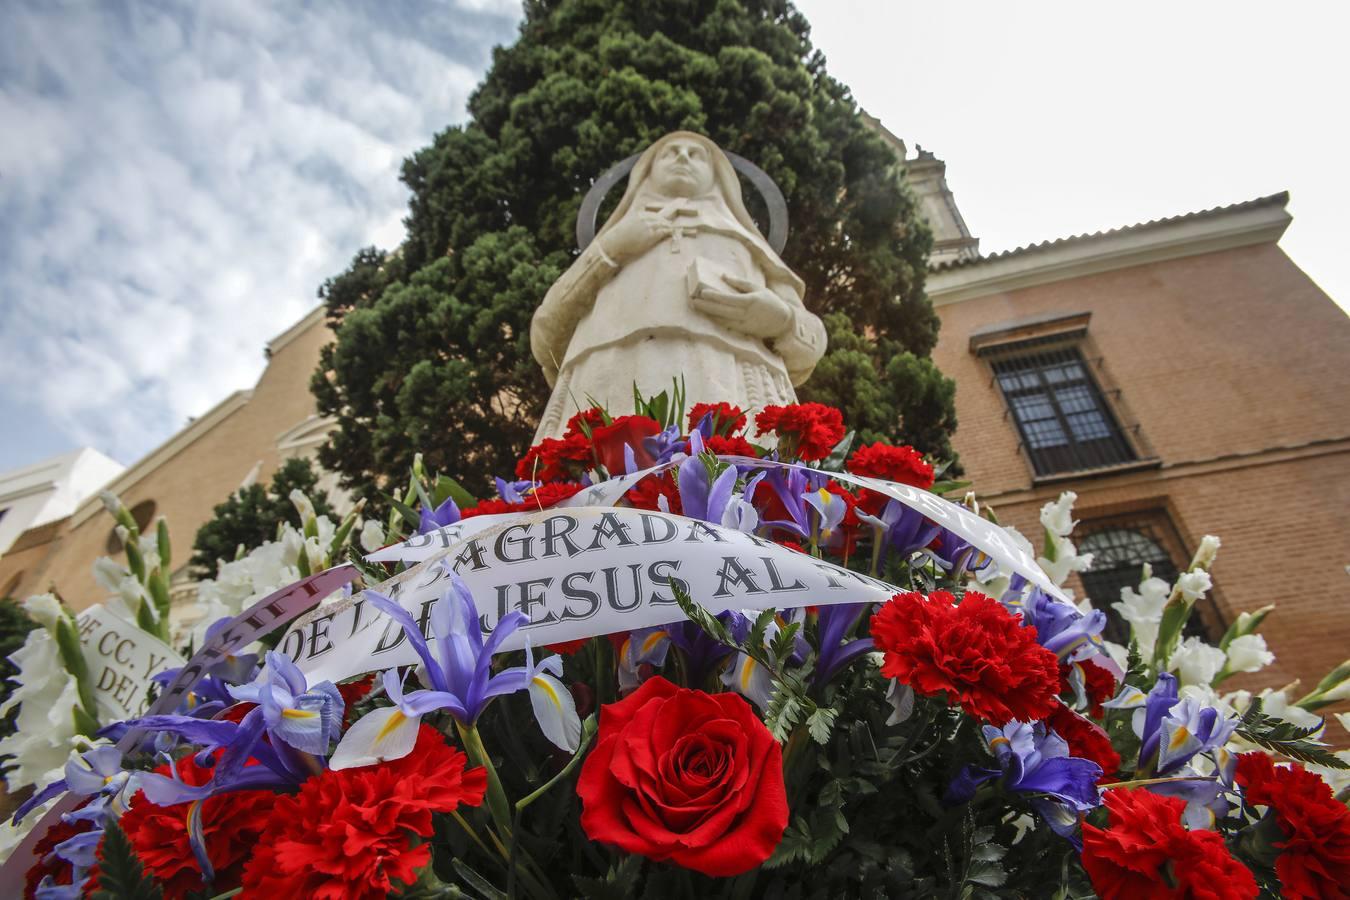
(556, 711)
(376, 737)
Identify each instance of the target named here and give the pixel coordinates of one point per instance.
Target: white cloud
(177, 179)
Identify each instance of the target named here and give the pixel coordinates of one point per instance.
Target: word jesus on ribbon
(576, 573)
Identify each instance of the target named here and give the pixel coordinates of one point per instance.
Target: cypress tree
(433, 338)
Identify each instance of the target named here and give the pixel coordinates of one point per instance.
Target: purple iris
(902, 529)
(663, 445)
(702, 496)
(95, 773)
(445, 514)
(1033, 759)
(833, 623)
(1173, 731)
(790, 486)
(1060, 627)
(306, 718)
(81, 851)
(702, 654)
(211, 693)
(960, 555)
(460, 669)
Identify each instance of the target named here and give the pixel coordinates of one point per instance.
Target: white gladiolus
(303, 505)
(45, 727)
(12, 835)
(1143, 610)
(1276, 703)
(1066, 561)
(1204, 557)
(1057, 517)
(1248, 653)
(372, 536)
(44, 609)
(1194, 585)
(1196, 662)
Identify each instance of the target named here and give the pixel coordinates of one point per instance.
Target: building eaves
(1279, 200)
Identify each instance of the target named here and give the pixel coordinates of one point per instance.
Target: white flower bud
(1196, 662)
(1057, 517)
(1194, 585)
(44, 609)
(1204, 557)
(372, 536)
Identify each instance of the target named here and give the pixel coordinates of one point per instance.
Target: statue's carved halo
(773, 199)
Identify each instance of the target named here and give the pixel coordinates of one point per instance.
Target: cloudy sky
(176, 179)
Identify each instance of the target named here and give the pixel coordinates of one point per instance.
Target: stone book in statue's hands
(705, 275)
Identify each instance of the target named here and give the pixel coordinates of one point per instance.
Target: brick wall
(1234, 365)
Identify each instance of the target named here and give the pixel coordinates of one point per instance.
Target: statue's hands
(750, 309)
(633, 236)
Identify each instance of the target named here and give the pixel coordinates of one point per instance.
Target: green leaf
(121, 876)
(821, 723)
(1286, 738)
(619, 883)
(481, 885)
(449, 487)
(835, 461)
(406, 512)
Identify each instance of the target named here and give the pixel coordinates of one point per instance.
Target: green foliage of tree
(433, 339)
(249, 518)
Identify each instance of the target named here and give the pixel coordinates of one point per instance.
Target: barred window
(1120, 548)
(1065, 423)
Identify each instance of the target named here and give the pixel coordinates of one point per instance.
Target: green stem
(496, 795)
(1144, 782)
(588, 729)
(468, 829)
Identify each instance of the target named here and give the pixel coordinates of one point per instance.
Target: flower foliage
(972, 735)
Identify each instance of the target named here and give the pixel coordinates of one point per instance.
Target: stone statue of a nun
(678, 282)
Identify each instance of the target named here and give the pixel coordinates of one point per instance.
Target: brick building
(1183, 377)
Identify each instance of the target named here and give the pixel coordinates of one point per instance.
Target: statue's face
(682, 169)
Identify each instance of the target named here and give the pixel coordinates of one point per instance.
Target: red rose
(350, 834)
(1314, 858)
(726, 419)
(977, 653)
(901, 464)
(609, 441)
(1086, 740)
(687, 777)
(1147, 852)
(231, 823)
(806, 430)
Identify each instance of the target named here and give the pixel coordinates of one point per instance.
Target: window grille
(1065, 422)
(1119, 550)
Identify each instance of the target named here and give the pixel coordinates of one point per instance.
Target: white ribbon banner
(576, 573)
(121, 658)
(981, 533)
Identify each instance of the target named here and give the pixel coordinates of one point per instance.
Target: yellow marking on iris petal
(747, 670)
(397, 719)
(652, 640)
(825, 496)
(548, 689)
(1179, 738)
(999, 740)
(298, 714)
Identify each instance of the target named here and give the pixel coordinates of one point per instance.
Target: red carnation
(48, 863)
(625, 431)
(687, 777)
(730, 446)
(1147, 852)
(585, 421)
(1314, 858)
(902, 464)
(352, 693)
(808, 431)
(231, 823)
(977, 653)
(1098, 683)
(646, 493)
(726, 418)
(555, 460)
(567, 648)
(350, 834)
(542, 497)
(1086, 740)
